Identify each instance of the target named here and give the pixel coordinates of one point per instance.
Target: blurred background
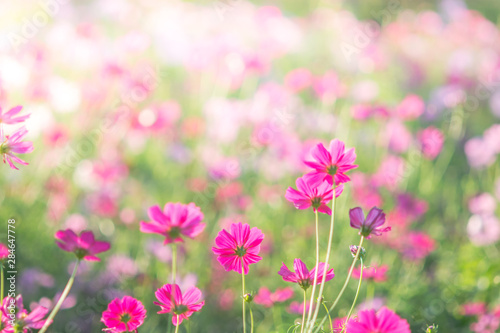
(138, 103)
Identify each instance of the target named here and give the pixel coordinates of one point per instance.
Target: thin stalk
(243, 295)
(1, 287)
(329, 317)
(357, 293)
(174, 262)
(61, 299)
(345, 284)
(304, 312)
(328, 250)
(315, 281)
(251, 319)
(177, 326)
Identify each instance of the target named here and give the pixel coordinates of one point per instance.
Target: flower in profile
(238, 248)
(22, 321)
(181, 306)
(374, 272)
(10, 117)
(331, 165)
(310, 194)
(384, 321)
(176, 220)
(371, 225)
(302, 276)
(267, 299)
(13, 145)
(124, 315)
(84, 246)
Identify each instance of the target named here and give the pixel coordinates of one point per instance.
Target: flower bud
(248, 298)
(354, 250)
(432, 329)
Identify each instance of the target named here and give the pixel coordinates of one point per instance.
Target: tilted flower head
(171, 300)
(371, 225)
(354, 251)
(309, 194)
(10, 117)
(331, 165)
(124, 315)
(303, 276)
(84, 246)
(384, 321)
(23, 321)
(239, 247)
(13, 145)
(176, 220)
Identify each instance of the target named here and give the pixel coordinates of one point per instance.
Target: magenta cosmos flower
(176, 220)
(23, 321)
(238, 248)
(371, 225)
(310, 194)
(11, 117)
(4, 251)
(124, 315)
(302, 276)
(331, 165)
(83, 246)
(13, 145)
(171, 300)
(385, 321)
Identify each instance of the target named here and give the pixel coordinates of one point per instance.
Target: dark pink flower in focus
(10, 117)
(374, 272)
(181, 306)
(267, 299)
(384, 321)
(13, 145)
(310, 194)
(176, 220)
(411, 107)
(23, 321)
(431, 141)
(124, 315)
(371, 225)
(331, 165)
(84, 246)
(302, 276)
(239, 247)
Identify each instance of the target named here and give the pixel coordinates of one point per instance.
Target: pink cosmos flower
(483, 203)
(171, 300)
(339, 324)
(411, 107)
(487, 323)
(384, 321)
(13, 145)
(417, 245)
(483, 229)
(310, 194)
(298, 79)
(124, 315)
(267, 299)
(24, 320)
(4, 251)
(176, 220)
(238, 248)
(473, 309)
(398, 136)
(84, 246)
(303, 276)
(297, 308)
(431, 141)
(374, 272)
(371, 225)
(10, 117)
(331, 165)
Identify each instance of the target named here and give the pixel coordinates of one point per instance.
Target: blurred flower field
(172, 146)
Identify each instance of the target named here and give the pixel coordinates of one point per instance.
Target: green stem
(345, 284)
(1, 287)
(61, 299)
(174, 262)
(251, 319)
(243, 295)
(315, 281)
(304, 312)
(327, 259)
(357, 293)
(329, 317)
(177, 326)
